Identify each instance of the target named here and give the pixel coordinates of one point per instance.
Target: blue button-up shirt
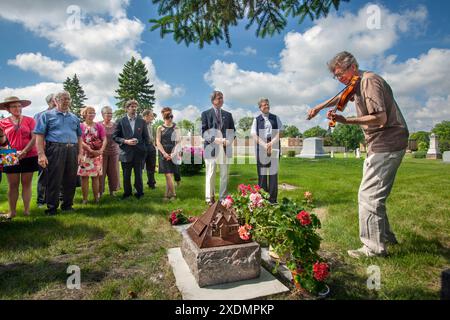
(57, 126)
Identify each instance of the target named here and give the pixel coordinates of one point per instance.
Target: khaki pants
(376, 185)
(210, 185)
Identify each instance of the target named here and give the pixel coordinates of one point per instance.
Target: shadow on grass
(42, 232)
(415, 243)
(346, 284)
(21, 279)
(411, 293)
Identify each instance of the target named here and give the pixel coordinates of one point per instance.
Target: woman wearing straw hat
(19, 131)
(3, 144)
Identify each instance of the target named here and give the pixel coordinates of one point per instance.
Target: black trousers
(41, 185)
(176, 174)
(127, 168)
(62, 168)
(150, 164)
(268, 182)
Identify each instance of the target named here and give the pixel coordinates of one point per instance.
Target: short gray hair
(49, 98)
(261, 100)
(60, 94)
(343, 60)
(106, 108)
(147, 112)
(214, 94)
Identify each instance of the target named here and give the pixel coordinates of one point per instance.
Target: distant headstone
(446, 156)
(345, 155)
(358, 153)
(433, 151)
(445, 285)
(332, 154)
(313, 149)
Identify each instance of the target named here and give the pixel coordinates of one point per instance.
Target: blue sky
(410, 49)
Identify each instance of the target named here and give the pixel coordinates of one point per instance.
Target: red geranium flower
(304, 218)
(321, 271)
(243, 189)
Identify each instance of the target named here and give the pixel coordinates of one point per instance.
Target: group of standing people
(67, 152)
(219, 132)
(385, 130)
(56, 144)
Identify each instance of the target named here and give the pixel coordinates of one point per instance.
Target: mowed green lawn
(120, 246)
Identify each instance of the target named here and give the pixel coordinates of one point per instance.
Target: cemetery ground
(120, 245)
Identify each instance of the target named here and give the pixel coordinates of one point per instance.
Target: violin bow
(329, 101)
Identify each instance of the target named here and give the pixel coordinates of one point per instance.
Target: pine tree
(204, 21)
(77, 94)
(134, 84)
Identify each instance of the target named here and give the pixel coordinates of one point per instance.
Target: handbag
(96, 143)
(8, 157)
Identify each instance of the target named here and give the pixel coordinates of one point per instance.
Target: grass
(121, 245)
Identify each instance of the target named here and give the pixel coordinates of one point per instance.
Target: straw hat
(9, 100)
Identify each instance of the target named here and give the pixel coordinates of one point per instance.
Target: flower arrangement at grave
(290, 228)
(178, 217)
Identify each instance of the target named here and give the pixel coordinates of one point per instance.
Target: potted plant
(289, 228)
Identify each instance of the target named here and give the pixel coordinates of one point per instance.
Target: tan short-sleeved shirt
(373, 96)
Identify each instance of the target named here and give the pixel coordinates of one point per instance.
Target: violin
(347, 94)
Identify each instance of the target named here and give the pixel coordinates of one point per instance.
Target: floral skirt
(91, 167)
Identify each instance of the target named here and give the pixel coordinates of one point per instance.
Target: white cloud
(272, 64)
(428, 73)
(38, 63)
(105, 40)
(247, 51)
(36, 94)
(302, 78)
(39, 16)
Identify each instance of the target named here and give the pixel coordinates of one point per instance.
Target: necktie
(218, 118)
(132, 123)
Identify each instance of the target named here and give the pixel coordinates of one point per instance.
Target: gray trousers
(376, 185)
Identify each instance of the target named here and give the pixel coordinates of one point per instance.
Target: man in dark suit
(132, 136)
(218, 132)
(150, 158)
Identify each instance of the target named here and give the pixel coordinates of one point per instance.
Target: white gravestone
(446, 156)
(433, 151)
(313, 148)
(358, 153)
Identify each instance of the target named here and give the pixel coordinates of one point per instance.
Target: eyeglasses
(170, 116)
(339, 75)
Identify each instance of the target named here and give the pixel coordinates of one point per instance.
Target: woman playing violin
(386, 134)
